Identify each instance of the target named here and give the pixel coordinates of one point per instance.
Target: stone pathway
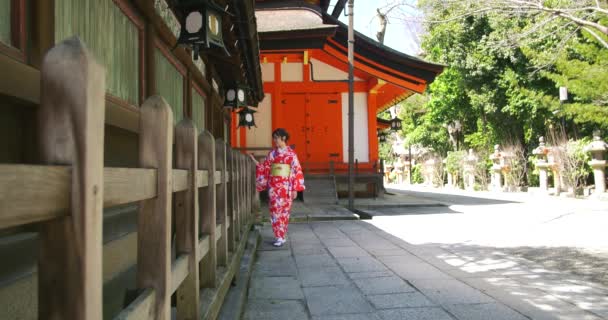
(352, 270)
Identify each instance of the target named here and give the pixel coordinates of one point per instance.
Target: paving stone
(358, 316)
(380, 252)
(279, 288)
(328, 233)
(370, 274)
(447, 292)
(275, 310)
(308, 249)
(343, 252)
(361, 264)
(432, 313)
(494, 311)
(315, 261)
(317, 277)
(401, 259)
(338, 242)
(275, 268)
(400, 300)
(416, 271)
(336, 300)
(273, 255)
(384, 285)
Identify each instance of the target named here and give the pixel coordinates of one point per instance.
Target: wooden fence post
(71, 123)
(242, 191)
(154, 217)
(206, 161)
(234, 197)
(186, 219)
(220, 196)
(229, 200)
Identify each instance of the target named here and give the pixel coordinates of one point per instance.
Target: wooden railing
(66, 194)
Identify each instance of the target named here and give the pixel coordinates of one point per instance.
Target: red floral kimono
(281, 173)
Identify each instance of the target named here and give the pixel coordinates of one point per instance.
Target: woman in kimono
(280, 173)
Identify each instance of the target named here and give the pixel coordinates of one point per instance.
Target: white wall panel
(323, 71)
(260, 137)
(267, 72)
(361, 134)
(292, 72)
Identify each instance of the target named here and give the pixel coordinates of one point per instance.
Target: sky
(398, 35)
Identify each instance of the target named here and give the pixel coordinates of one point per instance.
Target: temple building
(304, 62)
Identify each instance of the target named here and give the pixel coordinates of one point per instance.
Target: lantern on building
(236, 97)
(246, 118)
(201, 25)
(396, 124)
(381, 135)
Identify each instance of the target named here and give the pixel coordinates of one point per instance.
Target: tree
(584, 15)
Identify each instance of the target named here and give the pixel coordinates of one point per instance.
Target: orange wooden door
(324, 120)
(292, 118)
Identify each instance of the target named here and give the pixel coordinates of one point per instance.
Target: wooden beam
(221, 201)
(71, 129)
(206, 161)
(141, 308)
(154, 217)
(338, 8)
(187, 220)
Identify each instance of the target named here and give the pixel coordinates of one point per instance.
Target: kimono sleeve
(262, 173)
(296, 177)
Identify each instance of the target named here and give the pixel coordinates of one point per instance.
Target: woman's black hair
(281, 133)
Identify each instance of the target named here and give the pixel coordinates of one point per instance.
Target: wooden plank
(186, 219)
(206, 161)
(71, 132)
(179, 271)
(203, 247)
(26, 86)
(221, 202)
(154, 217)
(180, 180)
(141, 308)
(50, 186)
(218, 232)
(202, 178)
(19, 184)
(218, 177)
(229, 204)
(126, 185)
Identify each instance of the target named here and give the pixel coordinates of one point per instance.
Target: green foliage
(502, 78)
(454, 162)
(417, 174)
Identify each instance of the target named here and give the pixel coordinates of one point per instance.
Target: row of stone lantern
(500, 166)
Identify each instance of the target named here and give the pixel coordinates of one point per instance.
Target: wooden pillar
(206, 161)
(234, 186)
(154, 217)
(43, 30)
(229, 201)
(186, 219)
(71, 127)
(220, 202)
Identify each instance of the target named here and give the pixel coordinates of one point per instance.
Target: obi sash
(280, 170)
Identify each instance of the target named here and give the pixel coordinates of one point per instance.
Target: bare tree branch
(597, 36)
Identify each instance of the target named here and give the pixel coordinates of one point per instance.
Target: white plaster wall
(361, 134)
(292, 72)
(323, 71)
(261, 136)
(267, 72)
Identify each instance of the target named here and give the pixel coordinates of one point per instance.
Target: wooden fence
(206, 196)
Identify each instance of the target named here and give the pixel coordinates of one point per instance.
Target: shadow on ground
(560, 281)
(407, 210)
(451, 198)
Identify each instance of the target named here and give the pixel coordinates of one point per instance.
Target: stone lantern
(497, 168)
(553, 164)
(598, 148)
(429, 166)
(541, 163)
(470, 162)
(399, 165)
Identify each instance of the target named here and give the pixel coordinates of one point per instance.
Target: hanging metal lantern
(246, 118)
(396, 124)
(382, 137)
(236, 97)
(201, 25)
